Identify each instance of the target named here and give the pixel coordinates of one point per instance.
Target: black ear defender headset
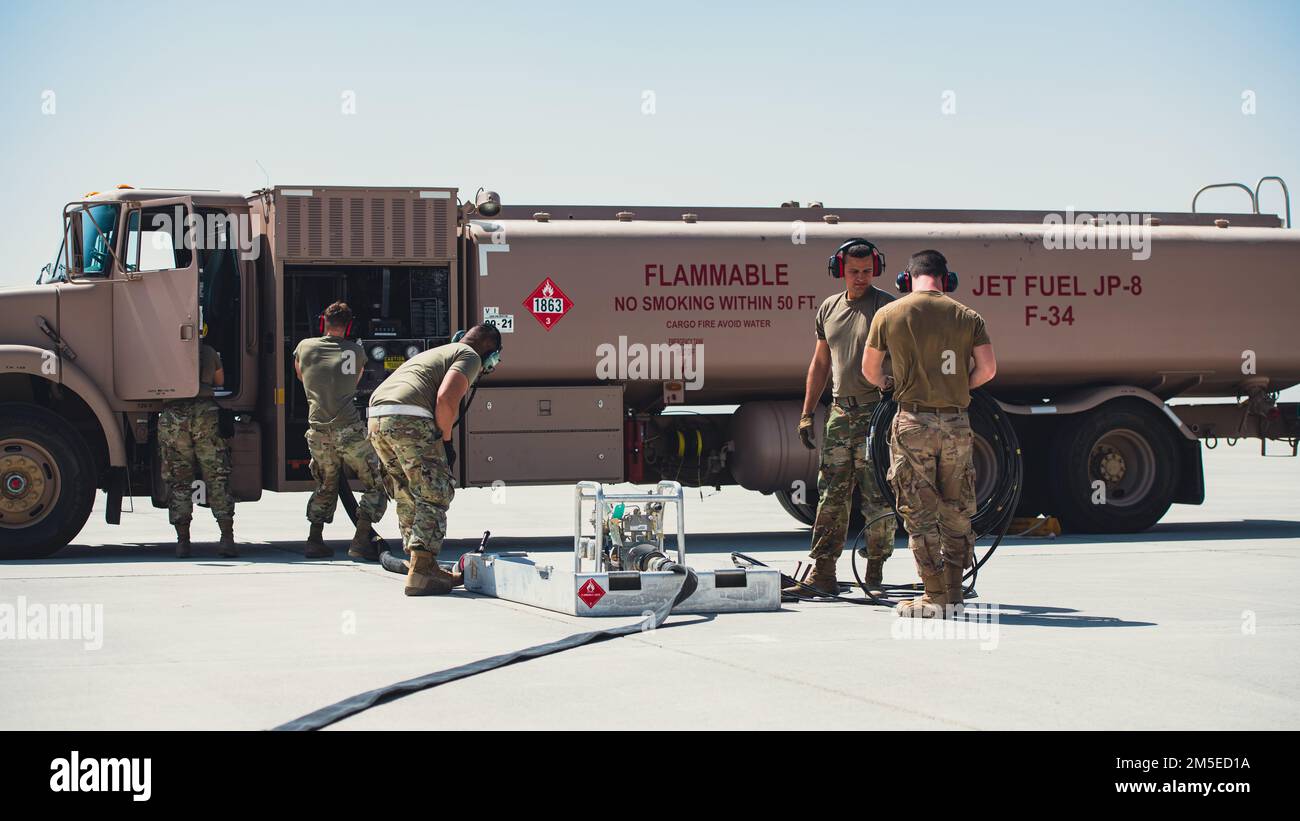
(347, 333)
(490, 361)
(835, 265)
(904, 280)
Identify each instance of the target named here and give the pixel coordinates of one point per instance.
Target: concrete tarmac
(1194, 624)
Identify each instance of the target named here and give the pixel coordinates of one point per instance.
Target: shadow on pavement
(705, 543)
(201, 553)
(1029, 615)
(1191, 531)
(289, 553)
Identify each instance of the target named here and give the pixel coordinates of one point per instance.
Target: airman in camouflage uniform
(411, 417)
(189, 434)
(331, 449)
(842, 324)
(932, 340)
(933, 477)
(330, 367)
(846, 466)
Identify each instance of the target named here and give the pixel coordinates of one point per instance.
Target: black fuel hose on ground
(326, 716)
(393, 564)
(743, 560)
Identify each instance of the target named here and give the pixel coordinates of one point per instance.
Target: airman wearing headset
(842, 325)
(940, 352)
(411, 417)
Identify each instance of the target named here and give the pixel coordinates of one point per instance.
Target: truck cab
(111, 330)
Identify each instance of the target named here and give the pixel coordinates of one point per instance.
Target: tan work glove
(806, 431)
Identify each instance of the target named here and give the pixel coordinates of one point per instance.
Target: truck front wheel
(1114, 469)
(47, 482)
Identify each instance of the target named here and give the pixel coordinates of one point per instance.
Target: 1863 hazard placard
(548, 304)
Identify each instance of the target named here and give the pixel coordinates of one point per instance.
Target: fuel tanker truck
(640, 343)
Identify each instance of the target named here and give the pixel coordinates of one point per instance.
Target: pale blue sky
(1114, 106)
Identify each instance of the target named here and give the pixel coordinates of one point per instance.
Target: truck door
(156, 321)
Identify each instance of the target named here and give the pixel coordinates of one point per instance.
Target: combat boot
(875, 576)
(952, 574)
(931, 604)
(425, 577)
(226, 549)
(361, 546)
(822, 579)
(182, 541)
(316, 547)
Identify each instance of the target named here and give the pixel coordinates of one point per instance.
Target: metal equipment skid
(594, 589)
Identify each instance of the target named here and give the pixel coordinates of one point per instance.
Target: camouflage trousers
(188, 435)
(333, 449)
(933, 477)
(416, 476)
(845, 465)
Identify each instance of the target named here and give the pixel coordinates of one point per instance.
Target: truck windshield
(56, 271)
(94, 233)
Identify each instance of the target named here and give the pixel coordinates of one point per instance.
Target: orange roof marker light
(89, 194)
(122, 185)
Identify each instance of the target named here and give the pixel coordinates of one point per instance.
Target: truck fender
(1089, 398)
(37, 362)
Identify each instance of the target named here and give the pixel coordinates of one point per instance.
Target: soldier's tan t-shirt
(209, 364)
(844, 324)
(330, 366)
(917, 332)
(417, 380)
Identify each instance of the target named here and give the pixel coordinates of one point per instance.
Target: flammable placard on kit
(518, 578)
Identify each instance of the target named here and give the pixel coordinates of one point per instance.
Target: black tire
(1035, 453)
(807, 513)
(47, 482)
(803, 513)
(1131, 448)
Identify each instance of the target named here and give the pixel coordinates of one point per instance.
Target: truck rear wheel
(47, 482)
(1114, 469)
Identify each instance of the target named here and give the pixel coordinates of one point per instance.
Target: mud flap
(117, 480)
(1191, 475)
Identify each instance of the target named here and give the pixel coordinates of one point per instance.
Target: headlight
(412, 351)
(377, 353)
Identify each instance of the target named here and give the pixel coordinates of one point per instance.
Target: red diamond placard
(548, 304)
(591, 592)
